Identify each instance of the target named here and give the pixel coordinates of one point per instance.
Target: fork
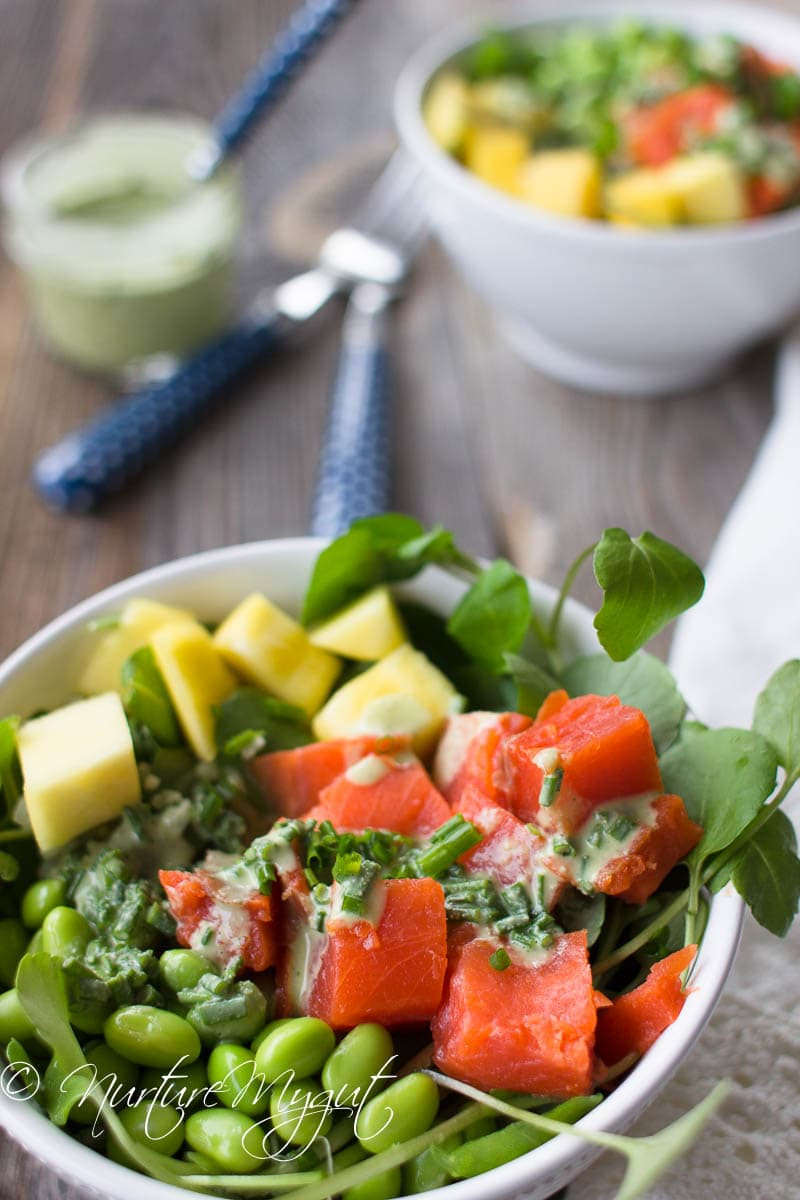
(102, 457)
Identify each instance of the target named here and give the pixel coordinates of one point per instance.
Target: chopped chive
(563, 847)
(448, 843)
(500, 959)
(551, 786)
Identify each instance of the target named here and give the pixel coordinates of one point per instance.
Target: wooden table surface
(508, 459)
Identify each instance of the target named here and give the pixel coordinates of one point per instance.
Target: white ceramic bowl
(595, 305)
(40, 674)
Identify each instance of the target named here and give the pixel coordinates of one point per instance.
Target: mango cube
(495, 153)
(445, 111)
(271, 650)
(78, 768)
(138, 620)
(643, 197)
(196, 678)
(369, 628)
(566, 182)
(403, 693)
(709, 188)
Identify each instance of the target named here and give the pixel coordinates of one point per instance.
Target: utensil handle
(79, 472)
(354, 476)
(306, 31)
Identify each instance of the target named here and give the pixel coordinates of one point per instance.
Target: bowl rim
(93, 1171)
(429, 58)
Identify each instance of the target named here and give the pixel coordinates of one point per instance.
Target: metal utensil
(292, 48)
(79, 472)
(354, 476)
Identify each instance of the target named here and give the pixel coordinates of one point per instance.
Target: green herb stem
(643, 937)
(550, 638)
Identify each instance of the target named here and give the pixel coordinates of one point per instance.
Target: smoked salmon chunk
(391, 972)
(470, 753)
(634, 1021)
(234, 927)
(382, 792)
(529, 1027)
(594, 748)
(292, 780)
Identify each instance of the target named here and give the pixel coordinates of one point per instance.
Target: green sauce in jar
(125, 256)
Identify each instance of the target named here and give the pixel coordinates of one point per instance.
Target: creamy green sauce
(590, 851)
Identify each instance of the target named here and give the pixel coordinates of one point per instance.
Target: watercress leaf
(533, 683)
(576, 911)
(724, 776)
(42, 993)
(483, 689)
(10, 778)
(427, 630)
(283, 726)
(358, 560)
(777, 715)
(766, 873)
(436, 546)
(146, 699)
(492, 618)
(642, 681)
(9, 867)
(63, 1090)
(646, 583)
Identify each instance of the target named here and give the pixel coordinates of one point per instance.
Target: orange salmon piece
(470, 753)
(292, 780)
(242, 928)
(634, 1021)
(396, 794)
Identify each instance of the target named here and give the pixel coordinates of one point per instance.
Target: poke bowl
(613, 305)
(44, 673)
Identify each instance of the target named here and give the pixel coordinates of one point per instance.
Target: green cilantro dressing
(608, 835)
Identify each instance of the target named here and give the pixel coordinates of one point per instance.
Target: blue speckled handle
(354, 478)
(308, 27)
(101, 458)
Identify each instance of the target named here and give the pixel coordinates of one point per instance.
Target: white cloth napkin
(746, 625)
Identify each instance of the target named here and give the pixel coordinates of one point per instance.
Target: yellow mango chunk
(112, 647)
(369, 628)
(196, 678)
(271, 650)
(507, 99)
(78, 768)
(643, 197)
(495, 154)
(709, 188)
(567, 182)
(403, 693)
(445, 111)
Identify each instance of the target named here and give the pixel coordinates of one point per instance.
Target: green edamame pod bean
(300, 1045)
(14, 1021)
(385, 1186)
(181, 969)
(236, 1018)
(267, 1030)
(117, 1076)
(232, 1141)
(233, 1075)
(38, 900)
(156, 1126)
(405, 1109)
(352, 1154)
(66, 933)
(300, 1111)
(484, 1153)
(429, 1169)
(354, 1067)
(184, 1087)
(13, 943)
(480, 1128)
(151, 1037)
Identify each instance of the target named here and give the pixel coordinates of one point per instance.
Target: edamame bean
(300, 1111)
(233, 1075)
(184, 1087)
(14, 1021)
(385, 1186)
(236, 1018)
(361, 1055)
(66, 933)
(156, 1126)
(267, 1030)
(181, 969)
(205, 1165)
(493, 1149)
(230, 1139)
(429, 1169)
(151, 1036)
(117, 1076)
(13, 943)
(405, 1109)
(35, 944)
(38, 900)
(300, 1045)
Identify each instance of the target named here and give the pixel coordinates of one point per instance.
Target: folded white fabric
(746, 625)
